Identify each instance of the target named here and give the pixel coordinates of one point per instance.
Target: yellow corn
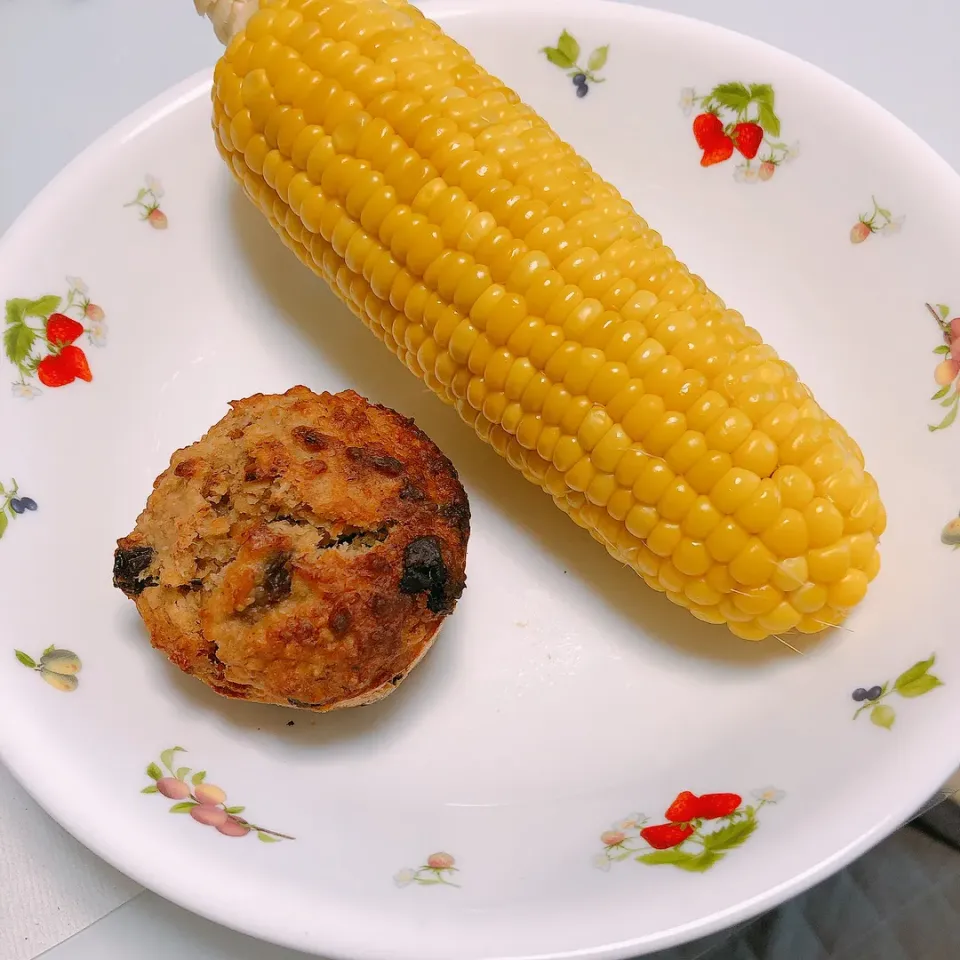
(525, 291)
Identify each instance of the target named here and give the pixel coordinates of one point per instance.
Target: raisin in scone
(304, 552)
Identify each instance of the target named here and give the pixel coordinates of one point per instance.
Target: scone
(304, 552)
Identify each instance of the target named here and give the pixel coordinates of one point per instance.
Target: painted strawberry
(62, 329)
(76, 362)
(666, 835)
(93, 312)
(718, 151)
(157, 219)
(767, 169)
(859, 232)
(748, 137)
(715, 805)
(707, 128)
(55, 371)
(684, 809)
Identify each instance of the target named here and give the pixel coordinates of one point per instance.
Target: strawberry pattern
(438, 870)
(147, 201)
(738, 117)
(40, 338)
(205, 802)
(878, 220)
(699, 831)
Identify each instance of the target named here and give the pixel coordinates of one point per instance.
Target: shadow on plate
(306, 302)
(379, 721)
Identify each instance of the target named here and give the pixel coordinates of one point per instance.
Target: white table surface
(71, 69)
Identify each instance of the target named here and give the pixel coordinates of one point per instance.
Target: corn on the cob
(525, 291)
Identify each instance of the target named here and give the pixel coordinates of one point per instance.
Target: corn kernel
(566, 453)
(729, 431)
(630, 466)
(705, 411)
(653, 481)
(691, 557)
(665, 433)
(796, 488)
(849, 590)
(782, 618)
(595, 425)
(608, 453)
(787, 535)
(757, 600)
(809, 598)
(700, 592)
(685, 451)
(718, 578)
(758, 453)
(707, 614)
(708, 470)
(828, 564)
(676, 501)
(621, 502)
(701, 517)
(734, 489)
(726, 540)
(824, 522)
(672, 580)
(664, 538)
(643, 416)
(753, 565)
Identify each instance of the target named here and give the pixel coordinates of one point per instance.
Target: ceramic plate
(498, 804)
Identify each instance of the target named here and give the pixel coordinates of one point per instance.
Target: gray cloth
(900, 901)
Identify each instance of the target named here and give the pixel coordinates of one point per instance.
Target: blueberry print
(915, 682)
(566, 55)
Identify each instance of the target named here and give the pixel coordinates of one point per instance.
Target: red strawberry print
(714, 805)
(684, 809)
(707, 127)
(55, 371)
(157, 219)
(62, 329)
(665, 835)
(720, 150)
(748, 137)
(75, 361)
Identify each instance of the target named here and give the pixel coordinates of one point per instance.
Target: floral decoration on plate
(741, 117)
(566, 55)
(699, 831)
(947, 370)
(878, 220)
(438, 869)
(148, 200)
(205, 802)
(912, 683)
(58, 667)
(12, 505)
(40, 336)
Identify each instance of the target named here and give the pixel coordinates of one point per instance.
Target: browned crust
(305, 551)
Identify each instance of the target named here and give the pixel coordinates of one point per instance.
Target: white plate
(564, 695)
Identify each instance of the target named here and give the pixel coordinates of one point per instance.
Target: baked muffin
(304, 552)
